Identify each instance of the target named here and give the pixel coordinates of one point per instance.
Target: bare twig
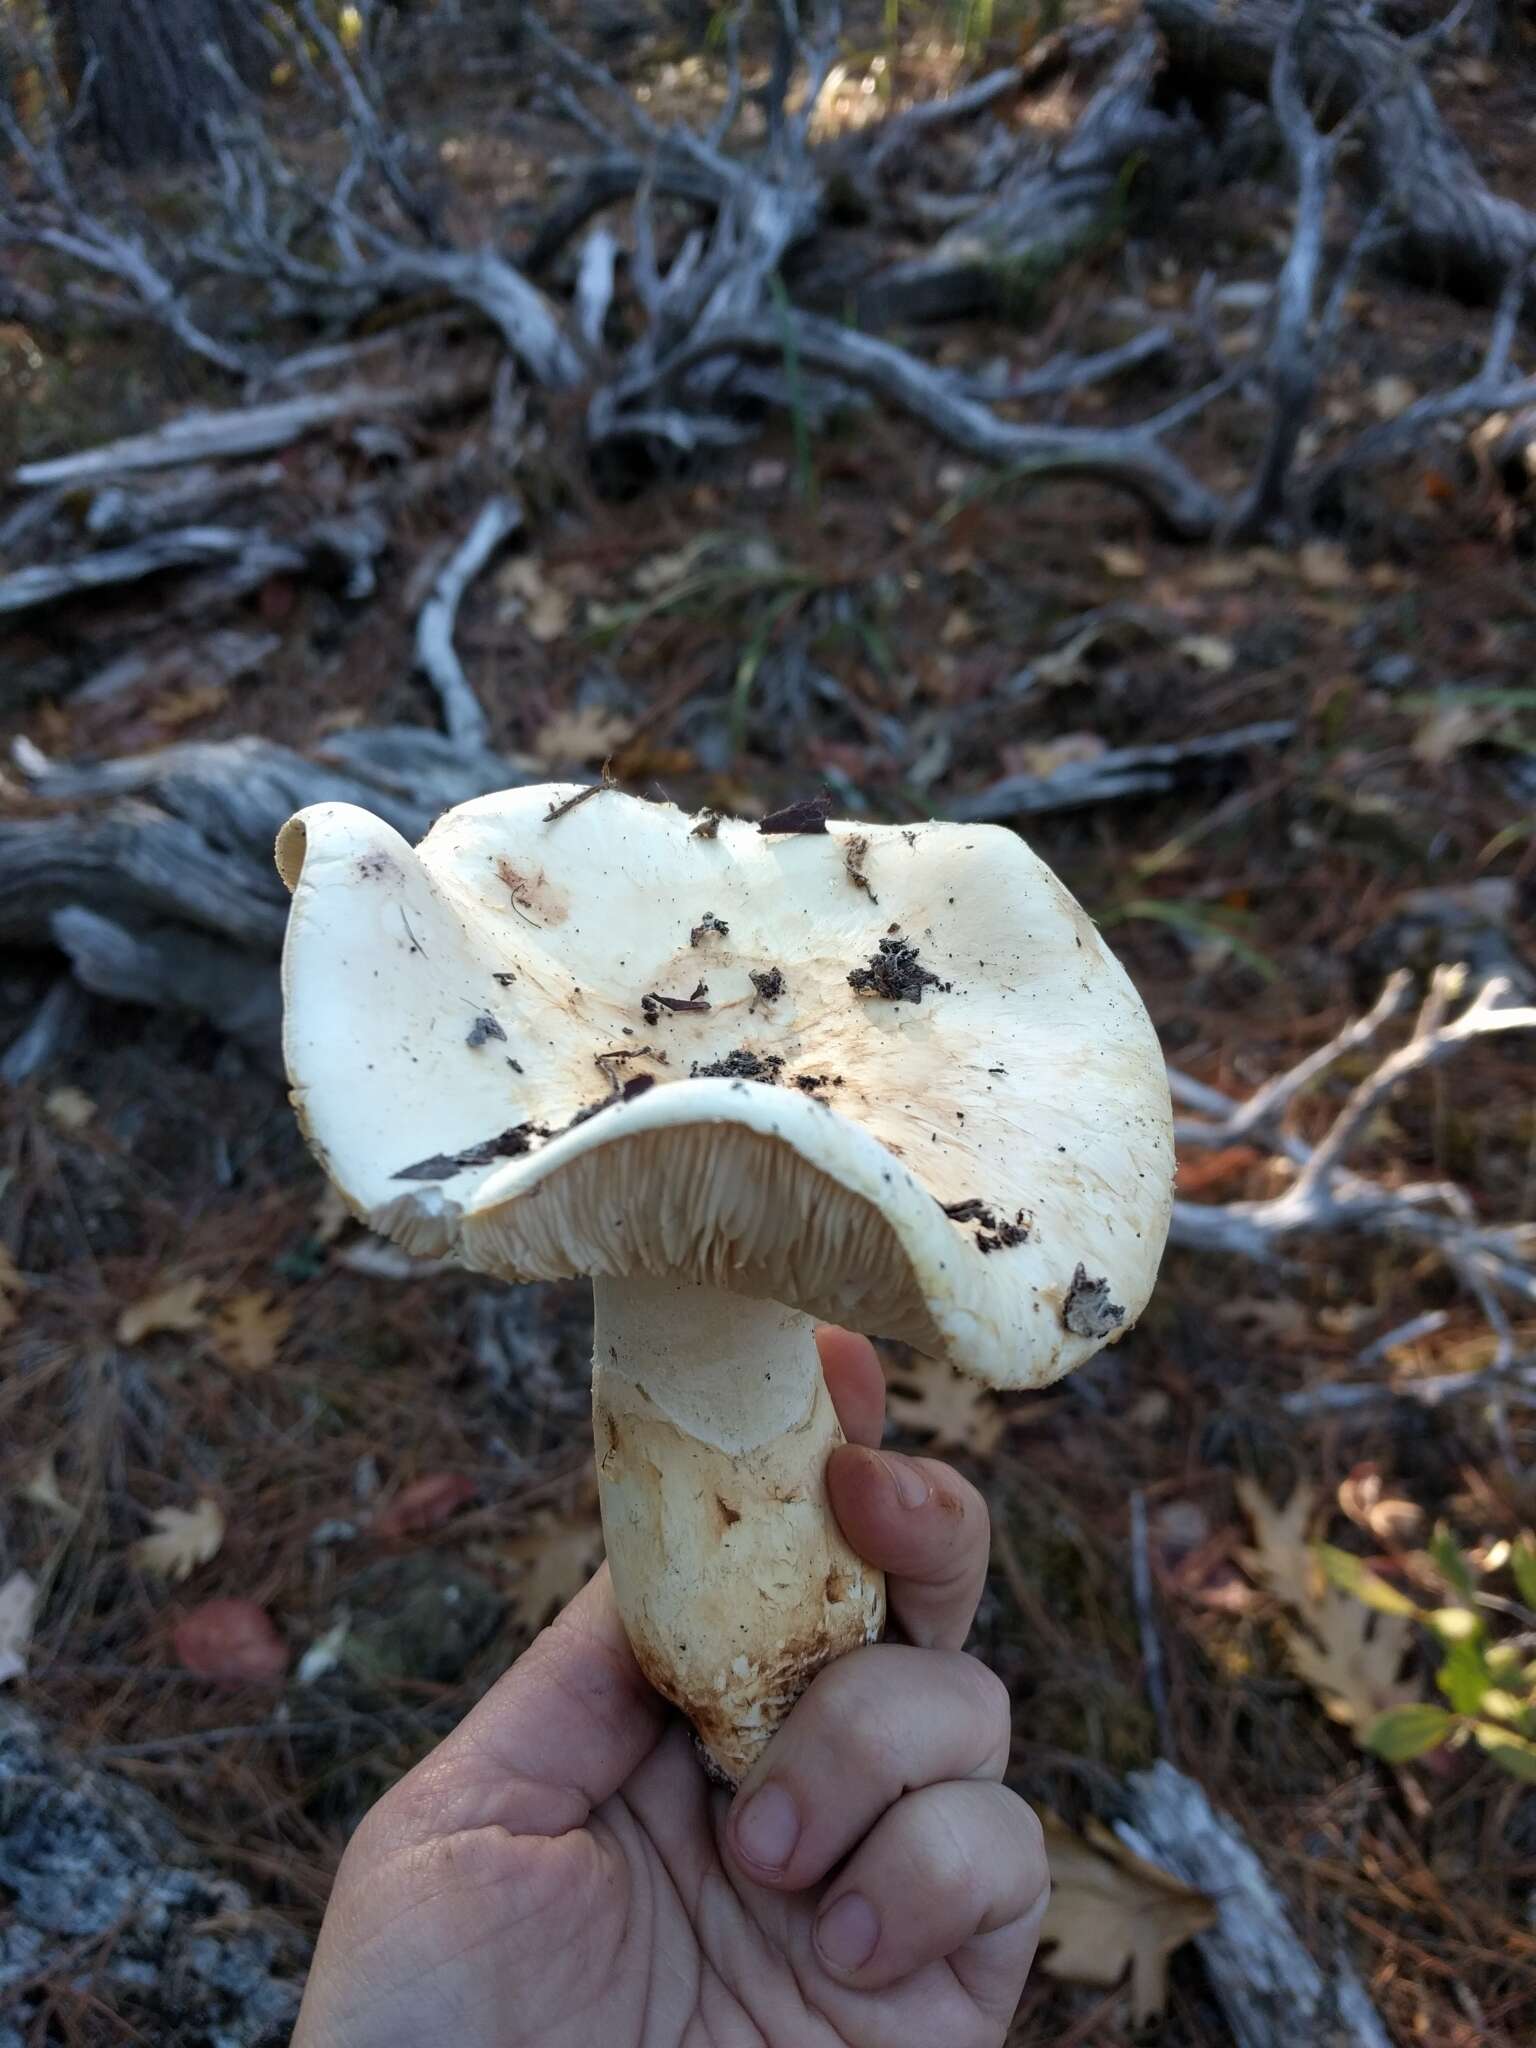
(1153, 1664)
(463, 715)
(1492, 1261)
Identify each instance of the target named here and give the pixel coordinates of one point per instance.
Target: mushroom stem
(713, 1425)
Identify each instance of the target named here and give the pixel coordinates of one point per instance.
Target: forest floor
(369, 1441)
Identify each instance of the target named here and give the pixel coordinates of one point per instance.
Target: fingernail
(912, 1488)
(767, 1828)
(847, 1932)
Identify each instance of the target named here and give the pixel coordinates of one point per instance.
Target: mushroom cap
(939, 1114)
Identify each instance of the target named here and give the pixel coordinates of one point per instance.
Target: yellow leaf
(1122, 562)
(1110, 1911)
(589, 735)
(951, 1411)
(558, 1554)
(70, 1108)
(169, 1308)
(248, 1331)
(183, 1539)
(1349, 1655)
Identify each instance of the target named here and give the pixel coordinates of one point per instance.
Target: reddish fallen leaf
(1204, 1171)
(232, 1641)
(425, 1504)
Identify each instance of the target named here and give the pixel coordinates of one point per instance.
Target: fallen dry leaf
(248, 1331)
(42, 1489)
(1391, 396)
(183, 1539)
(18, 1605)
(1203, 1171)
(585, 736)
(71, 1109)
(1121, 561)
(1388, 1517)
(425, 1504)
(558, 1554)
(544, 607)
(1324, 565)
(169, 1308)
(232, 1641)
(1208, 651)
(1110, 1911)
(1046, 757)
(1348, 1655)
(184, 707)
(930, 1399)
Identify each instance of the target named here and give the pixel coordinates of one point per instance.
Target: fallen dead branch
(1271, 1990)
(1326, 1197)
(1440, 220)
(462, 713)
(201, 437)
(1118, 772)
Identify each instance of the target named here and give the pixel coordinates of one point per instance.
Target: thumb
(556, 1735)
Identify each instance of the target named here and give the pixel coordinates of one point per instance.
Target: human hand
(559, 1873)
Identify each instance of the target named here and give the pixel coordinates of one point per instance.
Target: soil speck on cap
(503, 980)
(706, 825)
(855, 852)
(740, 1065)
(1088, 1310)
(484, 1027)
(636, 1085)
(708, 926)
(993, 1235)
(582, 795)
(812, 1082)
(508, 1144)
(808, 815)
(604, 1060)
(894, 973)
(769, 983)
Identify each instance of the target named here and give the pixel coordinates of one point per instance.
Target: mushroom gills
(713, 1426)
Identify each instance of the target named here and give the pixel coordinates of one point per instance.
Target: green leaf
(1464, 1677)
(1512, 1753)
(1347, 1573)
(1406, 1732)
(1452, 1566)
(1522, 1562)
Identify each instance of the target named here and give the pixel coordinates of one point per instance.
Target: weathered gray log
(51, 1029)
(159, 887)
(1442, 220)
(194, 547)
(1054, 206)
(168, 967)
(132, 862)
(1273, 1993)
(1120, 771)
(102, 1892)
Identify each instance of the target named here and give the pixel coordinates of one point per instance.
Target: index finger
(920, 1521)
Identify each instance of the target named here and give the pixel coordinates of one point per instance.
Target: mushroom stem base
(712, 1426)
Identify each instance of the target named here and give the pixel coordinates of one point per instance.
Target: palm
(560, 1873)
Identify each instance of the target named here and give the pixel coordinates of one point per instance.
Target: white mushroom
(885, 1076)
